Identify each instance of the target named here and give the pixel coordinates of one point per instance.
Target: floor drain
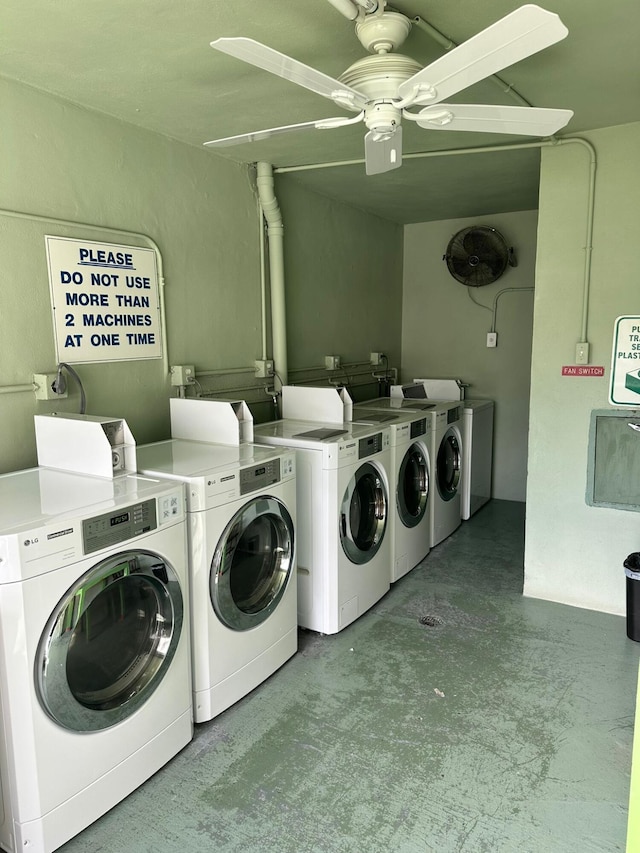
(430, 621)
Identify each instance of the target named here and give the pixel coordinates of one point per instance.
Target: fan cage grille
(477, 255)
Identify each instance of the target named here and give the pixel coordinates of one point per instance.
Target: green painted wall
(574, 552)
(344, 279)
(444, 333)
(62, 161)
(633, 824)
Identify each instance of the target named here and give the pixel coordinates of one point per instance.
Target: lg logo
(31, 541)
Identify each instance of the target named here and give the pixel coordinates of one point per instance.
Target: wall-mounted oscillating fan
(478, 255)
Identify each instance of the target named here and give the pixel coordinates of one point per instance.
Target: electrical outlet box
(43, 387)
(492, 339)
(332, 362)
(375, 358)
(582, 353)
(264, 367)
(183, 374)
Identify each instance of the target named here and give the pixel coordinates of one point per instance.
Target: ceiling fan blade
(382, 153)
(489, 118)
(284, 66)
(520, 34)
(259, 135)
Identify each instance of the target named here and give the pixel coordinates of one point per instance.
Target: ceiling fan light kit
(383, 86)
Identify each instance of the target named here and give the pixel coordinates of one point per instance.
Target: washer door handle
(343, 523)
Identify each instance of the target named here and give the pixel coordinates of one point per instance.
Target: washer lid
(186, 459)
(39, 496)
(320, 434)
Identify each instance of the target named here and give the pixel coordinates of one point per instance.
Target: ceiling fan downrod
(353, 9)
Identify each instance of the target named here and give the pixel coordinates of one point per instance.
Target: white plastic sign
(625, 363)
(105, 301)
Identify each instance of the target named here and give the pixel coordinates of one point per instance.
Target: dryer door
(413, 486)
(448, 466)
(363, 514)
(252, 563)
(110, 641)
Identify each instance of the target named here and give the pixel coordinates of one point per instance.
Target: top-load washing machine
(241, 503)
(344, 554)
(95, 686)
(410, 434)
(447, 460)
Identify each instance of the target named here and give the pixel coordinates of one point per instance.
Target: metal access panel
(613, 474)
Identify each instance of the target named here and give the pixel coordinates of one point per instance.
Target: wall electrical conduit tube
(275, 241)
(543, 143)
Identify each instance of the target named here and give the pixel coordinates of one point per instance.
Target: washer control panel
(111, 528)
(370, 445)
(418, 427)
(259, 476)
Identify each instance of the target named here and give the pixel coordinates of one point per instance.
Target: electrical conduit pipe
(275, 239)
(543, 143)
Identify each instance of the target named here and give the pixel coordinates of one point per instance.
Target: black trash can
(632, 572)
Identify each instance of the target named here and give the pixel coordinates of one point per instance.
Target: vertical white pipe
(275, 238)
(586, 288)
(263, 282)
(346, 8)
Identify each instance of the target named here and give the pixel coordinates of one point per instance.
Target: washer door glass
(413, 487)
(252, 563)
(363, 514)
(110, 641)
(448, 466)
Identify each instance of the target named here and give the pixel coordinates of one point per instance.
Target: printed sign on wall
(625, 363)
(105, 301)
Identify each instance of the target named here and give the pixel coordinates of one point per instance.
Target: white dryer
(477, 455)
(241, 503)
(410, 434)
(344, 552)
(446, 455)
(95, 687)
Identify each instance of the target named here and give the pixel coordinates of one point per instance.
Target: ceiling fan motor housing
(379, 77)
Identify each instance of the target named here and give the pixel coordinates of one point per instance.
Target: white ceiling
(149, 63)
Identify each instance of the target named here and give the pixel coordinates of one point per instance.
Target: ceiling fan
(382, 87)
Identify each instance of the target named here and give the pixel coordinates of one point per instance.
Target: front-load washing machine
(446, 456)
(344, 554)
(477, 438)
(95, 686)
(410, 434)
(241, 503)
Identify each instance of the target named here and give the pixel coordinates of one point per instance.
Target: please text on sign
(105, 301)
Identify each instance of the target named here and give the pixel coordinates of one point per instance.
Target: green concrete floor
(507, 727)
